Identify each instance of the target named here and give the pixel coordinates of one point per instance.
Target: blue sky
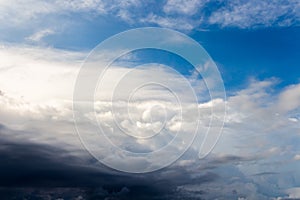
(260, 43)
(255, 45)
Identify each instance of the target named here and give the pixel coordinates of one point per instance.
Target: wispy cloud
(189, 7)
(180, 15)
(38, 36)
(168, 22)
(253, 14)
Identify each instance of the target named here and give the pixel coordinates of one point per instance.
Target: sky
(252, 46)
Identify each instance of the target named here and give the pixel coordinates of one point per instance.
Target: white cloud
(17, 12)
(186, 7)
(297, 157)
(292, 119)
(82, 5)
(37, 86)
(242, 14)
(38, 79)
(248, 14)
(38, 36)
(169, 22)
(289, 99)
(38, 74)
(180, 15)
(294, 192)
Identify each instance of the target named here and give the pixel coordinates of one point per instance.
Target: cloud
(251, 14)
(180, 15)
(294, 192)
(31, 116)
(289, 99)
(237, 14)
(30, 169)
(26, 100)
(297, 157)
(17, 12)
(168, 22)
(189, 7)
(34, 69)
(38, 36)
(38, 132)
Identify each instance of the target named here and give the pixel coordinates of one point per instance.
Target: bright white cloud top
(257, 156)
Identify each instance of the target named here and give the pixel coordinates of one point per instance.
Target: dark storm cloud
(266, 174)
(28, 170)
(212, 162)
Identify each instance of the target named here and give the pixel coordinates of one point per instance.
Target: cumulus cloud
(261, 121)
(252, 157)
(41, 89)
(289, 99)
(57, 70)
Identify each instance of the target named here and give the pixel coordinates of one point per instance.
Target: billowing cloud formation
(248, 159)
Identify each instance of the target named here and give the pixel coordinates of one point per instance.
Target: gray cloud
(31, 169)
(39, 147)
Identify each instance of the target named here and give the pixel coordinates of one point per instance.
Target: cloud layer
(251, 152)
(181, 15)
